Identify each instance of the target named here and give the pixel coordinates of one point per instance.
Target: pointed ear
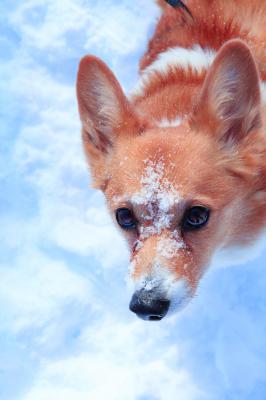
(229, 103)
(104, 110)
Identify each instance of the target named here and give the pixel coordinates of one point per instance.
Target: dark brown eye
(125, 218)
(195, 218)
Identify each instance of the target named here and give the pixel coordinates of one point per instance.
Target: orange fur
(215, 157)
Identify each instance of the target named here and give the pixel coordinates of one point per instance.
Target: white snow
(237, 255)
(158, 195)
(168, 247)
(66, 331)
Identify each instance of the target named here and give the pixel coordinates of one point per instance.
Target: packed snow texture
(66, 331)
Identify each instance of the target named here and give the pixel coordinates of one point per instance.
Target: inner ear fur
(105, 113)
(229, 103)
(104, 110)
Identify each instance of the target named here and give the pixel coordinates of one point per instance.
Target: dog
(182, 161)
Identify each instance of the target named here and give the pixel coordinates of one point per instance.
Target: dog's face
(177, 193)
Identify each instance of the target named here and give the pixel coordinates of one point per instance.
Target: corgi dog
(182, 160)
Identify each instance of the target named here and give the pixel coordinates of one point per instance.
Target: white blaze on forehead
(158, 195)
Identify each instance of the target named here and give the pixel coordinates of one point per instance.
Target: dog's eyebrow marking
(196, 59)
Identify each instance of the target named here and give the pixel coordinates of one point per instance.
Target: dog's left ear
(229, 103)
(104, 109)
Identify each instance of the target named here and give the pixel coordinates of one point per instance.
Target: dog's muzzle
(146, 305)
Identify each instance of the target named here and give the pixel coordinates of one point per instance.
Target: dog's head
(177, 193)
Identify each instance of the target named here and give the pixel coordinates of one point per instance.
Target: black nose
(147, 307)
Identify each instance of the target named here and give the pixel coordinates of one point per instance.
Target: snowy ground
(66, 332)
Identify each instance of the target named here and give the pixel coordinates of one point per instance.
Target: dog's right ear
(104, 110)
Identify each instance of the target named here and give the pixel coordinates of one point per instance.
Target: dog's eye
(125, 218)
(195, 218)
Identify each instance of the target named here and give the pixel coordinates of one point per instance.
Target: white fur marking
(166, 123)
(195, 58)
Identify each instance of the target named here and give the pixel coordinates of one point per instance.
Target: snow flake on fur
(158, 195)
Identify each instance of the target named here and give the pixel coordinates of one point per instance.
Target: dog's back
(214, 22)
(182, 49)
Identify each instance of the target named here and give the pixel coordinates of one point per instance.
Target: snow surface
(66, 332)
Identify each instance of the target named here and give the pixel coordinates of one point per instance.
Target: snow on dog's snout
(160, 283)
(153, 270)
(159, 245)
(158, 195)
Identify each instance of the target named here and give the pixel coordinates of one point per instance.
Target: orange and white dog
(182, 162)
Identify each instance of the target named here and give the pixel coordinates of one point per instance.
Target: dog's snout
(148, 307)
